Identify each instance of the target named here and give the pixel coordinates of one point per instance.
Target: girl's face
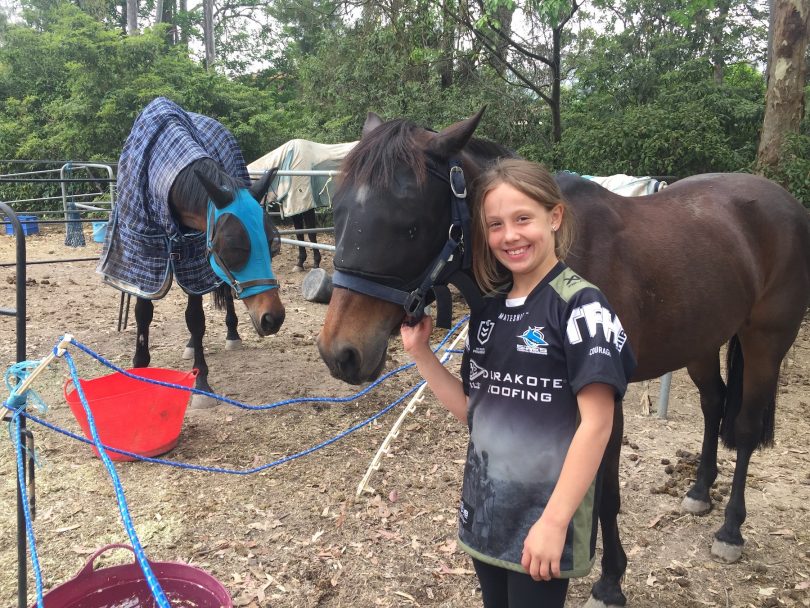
(520, 233)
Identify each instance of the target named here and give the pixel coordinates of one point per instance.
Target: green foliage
(793, 171)
(73, 91)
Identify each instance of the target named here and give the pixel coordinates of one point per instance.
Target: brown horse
(712, 260)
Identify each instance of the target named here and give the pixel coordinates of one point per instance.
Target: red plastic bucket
(125, 586)
(132, 415)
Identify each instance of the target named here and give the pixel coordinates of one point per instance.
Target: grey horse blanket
(145, 247)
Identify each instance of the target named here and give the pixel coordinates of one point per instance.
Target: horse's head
(242, 241)
(392, 214)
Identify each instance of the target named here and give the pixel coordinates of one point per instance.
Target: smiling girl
(545, 364)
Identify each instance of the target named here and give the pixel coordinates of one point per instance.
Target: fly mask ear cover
(257, 275)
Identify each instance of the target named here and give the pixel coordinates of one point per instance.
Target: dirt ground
(296, 535)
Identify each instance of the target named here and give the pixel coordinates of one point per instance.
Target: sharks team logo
(533, 341)
(485, 331)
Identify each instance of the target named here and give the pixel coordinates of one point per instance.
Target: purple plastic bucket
(124, 586)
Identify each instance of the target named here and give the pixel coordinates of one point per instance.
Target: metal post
(663, 396)
(22, 546)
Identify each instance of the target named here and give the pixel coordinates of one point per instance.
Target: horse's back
(693, 262)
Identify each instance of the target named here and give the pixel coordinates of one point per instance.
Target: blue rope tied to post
(25, 367)
(16, 403)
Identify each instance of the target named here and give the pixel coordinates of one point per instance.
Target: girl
(545, 364)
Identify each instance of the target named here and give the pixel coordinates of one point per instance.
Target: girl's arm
(447, 387)
(543, 546)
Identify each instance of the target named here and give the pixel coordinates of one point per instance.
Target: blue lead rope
(16, 403)
(29, 528)
(151, 580)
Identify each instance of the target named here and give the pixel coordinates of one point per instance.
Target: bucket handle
(89, 566)
(68, 383)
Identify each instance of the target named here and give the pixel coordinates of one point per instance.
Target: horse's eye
(412, 232)
(231, 242)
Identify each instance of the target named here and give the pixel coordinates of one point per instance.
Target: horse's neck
(188, 199)
(191, 214)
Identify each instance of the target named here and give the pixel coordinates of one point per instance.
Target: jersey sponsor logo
(533, 341)
(476, 371)
(591, 318)
(599, 350)
(485, 331)
(511, 318)
(536, 389)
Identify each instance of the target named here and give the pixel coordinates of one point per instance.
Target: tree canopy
(644, 88)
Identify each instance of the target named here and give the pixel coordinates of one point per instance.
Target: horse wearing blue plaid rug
(184, 212)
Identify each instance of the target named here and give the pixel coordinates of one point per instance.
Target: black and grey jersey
(522, 369)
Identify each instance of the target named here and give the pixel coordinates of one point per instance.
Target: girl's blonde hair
(533, 180)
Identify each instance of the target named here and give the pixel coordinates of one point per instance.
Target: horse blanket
(298, 193)
(145, 246)
(627, 185)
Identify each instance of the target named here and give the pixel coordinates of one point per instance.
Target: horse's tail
(220, 295)
(733, 401)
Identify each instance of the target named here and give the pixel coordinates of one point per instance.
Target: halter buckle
(456, 171)
(414, 304)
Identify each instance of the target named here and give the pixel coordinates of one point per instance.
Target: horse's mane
(376, 157)
(484, 151)
(187, 189)
(393, 144)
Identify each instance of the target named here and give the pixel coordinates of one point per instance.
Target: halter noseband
(446, 268)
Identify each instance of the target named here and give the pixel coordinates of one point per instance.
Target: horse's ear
(221, 196)
(372, 122)
(452, 139)
(260, 188)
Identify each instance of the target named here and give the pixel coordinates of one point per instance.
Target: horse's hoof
(726, 553)
(694, 506)
(188, 353)
(233, 344)
(202, 402)
(298, 268)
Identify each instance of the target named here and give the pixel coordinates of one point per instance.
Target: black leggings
(502, 588)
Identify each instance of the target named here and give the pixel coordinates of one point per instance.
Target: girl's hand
(542, 549)
(416, 337)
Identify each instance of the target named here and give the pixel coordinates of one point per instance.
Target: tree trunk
(448, 45)
(718, 27)
(158, 11)
(556, 68)
(208, 27)
(182, 9)
(132, 17)
(787, 74)
(504, 16)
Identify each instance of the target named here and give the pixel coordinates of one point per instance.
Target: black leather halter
(447, 268)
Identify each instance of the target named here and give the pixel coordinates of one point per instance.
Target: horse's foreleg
(232, 340)
(706, 376)
(144, 309)
(195, 321)
(607, 591)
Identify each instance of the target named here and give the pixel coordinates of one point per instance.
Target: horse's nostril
(348, 362)
(271, 324)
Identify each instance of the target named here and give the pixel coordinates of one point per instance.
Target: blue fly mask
(241, 241)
